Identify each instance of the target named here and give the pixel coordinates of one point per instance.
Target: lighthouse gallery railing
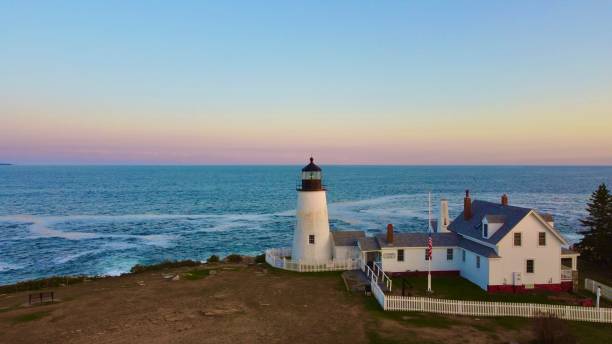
(281, 258)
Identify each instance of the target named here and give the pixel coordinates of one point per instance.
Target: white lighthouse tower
(311, 239)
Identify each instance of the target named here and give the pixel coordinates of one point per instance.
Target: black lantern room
(311, 177)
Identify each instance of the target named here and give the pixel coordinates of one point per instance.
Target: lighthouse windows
(311, 239)
(311, 175)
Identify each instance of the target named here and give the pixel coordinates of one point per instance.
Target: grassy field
(30, 317)
(451, 287)
(495, 328)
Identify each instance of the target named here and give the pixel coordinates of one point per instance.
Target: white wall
(493, 227)
(346, 252)
(443, 219)
(470, 271)
(547, 258)
(414, 259)
(312, 218)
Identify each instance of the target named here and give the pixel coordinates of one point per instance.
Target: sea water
(94, 220)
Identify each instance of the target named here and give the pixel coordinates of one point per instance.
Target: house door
(372, 257)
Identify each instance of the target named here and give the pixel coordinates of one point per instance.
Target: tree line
(596, 245)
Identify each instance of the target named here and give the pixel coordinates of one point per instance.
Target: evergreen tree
(607, 246)
(596, 244)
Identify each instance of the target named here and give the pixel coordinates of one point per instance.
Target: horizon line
(298, 164)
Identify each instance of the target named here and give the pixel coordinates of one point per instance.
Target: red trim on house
(567, 286)
(424, 273)
(507, 288)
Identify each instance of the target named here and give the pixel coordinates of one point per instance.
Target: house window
(449, 254)
(567, 262)
(463, 255)
(530, 266)
(400, 255)
(478, 262)
(485, 230)
(542, 238)
(517, 239)
(311, 239)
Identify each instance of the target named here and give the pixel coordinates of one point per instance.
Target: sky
(273, 82)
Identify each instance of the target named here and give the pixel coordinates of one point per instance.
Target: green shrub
(548, 329)
(213, 259)
(30, 317)
(196, 274)
(163, 265)
(260, 258)
(234, 258)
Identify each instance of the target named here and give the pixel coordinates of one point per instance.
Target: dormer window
(491, 223)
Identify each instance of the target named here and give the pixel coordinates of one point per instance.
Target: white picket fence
(495, 309)
(591, 285)
(277, 257)
(483, 308)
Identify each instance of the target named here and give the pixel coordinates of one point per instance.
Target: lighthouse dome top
(312, 167)
(311, 178)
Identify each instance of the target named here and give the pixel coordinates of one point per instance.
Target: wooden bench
(41, 297)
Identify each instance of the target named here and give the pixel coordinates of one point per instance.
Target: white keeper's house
(495, 245)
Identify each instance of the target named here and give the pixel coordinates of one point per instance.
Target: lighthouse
(311, 238)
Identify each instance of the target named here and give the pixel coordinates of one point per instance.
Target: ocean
(102, 220)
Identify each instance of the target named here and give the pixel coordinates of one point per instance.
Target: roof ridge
(499, 205)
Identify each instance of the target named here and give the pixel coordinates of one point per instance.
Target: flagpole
(430, 254)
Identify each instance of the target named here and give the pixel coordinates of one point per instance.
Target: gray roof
(477, 248)
(472, 227)
(347, 238)
(418, 239)
(568, 251)
(434, 224)
(369, 244)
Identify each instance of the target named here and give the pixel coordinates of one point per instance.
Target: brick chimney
(390, 233)
(504, 199)
(467, 206)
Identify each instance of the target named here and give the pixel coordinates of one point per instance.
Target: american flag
(429, 247)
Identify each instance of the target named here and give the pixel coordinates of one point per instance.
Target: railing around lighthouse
(281, 258)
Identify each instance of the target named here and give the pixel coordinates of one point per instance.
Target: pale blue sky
(115, 70)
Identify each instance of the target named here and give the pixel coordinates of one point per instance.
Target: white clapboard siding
(276, 257)
(591, 285)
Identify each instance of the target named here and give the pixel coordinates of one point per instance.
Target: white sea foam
(9, 267)
(70, 257)
(41, 227)
(117, 268)
(362, 214)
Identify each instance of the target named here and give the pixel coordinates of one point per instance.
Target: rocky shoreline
(62, 281)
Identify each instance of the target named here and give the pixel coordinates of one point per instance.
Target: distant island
(5, 164)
